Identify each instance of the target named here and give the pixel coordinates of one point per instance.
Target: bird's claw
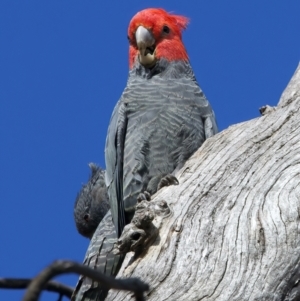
(144, 196)
(167, 181)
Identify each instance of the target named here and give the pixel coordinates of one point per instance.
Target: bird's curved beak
(146, 45)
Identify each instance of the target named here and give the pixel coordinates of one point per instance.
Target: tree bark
(234, 231)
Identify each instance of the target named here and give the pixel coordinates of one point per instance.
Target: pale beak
(146, 45)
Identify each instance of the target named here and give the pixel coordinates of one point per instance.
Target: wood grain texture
(234, 232)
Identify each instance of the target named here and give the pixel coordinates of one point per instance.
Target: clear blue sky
(64, 65)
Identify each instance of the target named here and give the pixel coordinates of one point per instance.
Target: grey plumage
(161, 119)
(91, 203)
(100, 257)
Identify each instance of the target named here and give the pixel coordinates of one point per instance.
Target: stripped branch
(65, 267)
(22, 283)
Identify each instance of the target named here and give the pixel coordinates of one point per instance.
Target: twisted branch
(65, 267)
(22, 283)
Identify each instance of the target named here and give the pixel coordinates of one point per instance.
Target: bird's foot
(144, 196)
(132, 239)
(136, 234)
(143, 229)
(167, 181)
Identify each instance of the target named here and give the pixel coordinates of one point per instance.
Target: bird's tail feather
(99, 256)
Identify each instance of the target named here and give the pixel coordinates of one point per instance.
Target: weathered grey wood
(234, 231)
(292, 90)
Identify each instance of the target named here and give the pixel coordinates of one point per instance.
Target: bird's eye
(86, 217)
(166, 29)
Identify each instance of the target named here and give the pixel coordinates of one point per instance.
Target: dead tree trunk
(234, 231)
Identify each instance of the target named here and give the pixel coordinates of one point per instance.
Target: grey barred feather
(91, 203)
(161, 119)
(100, 257)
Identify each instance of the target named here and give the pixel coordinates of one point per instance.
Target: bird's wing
(114, 155)
(155, 127)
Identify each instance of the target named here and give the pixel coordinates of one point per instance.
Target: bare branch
(52, 286)
(65, 267)
(292, 91)
(234, 230)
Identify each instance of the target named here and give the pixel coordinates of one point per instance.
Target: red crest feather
(181, 21)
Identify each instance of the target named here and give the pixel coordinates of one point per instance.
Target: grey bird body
(161, 119)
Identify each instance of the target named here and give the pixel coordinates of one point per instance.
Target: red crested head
(153, 34)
